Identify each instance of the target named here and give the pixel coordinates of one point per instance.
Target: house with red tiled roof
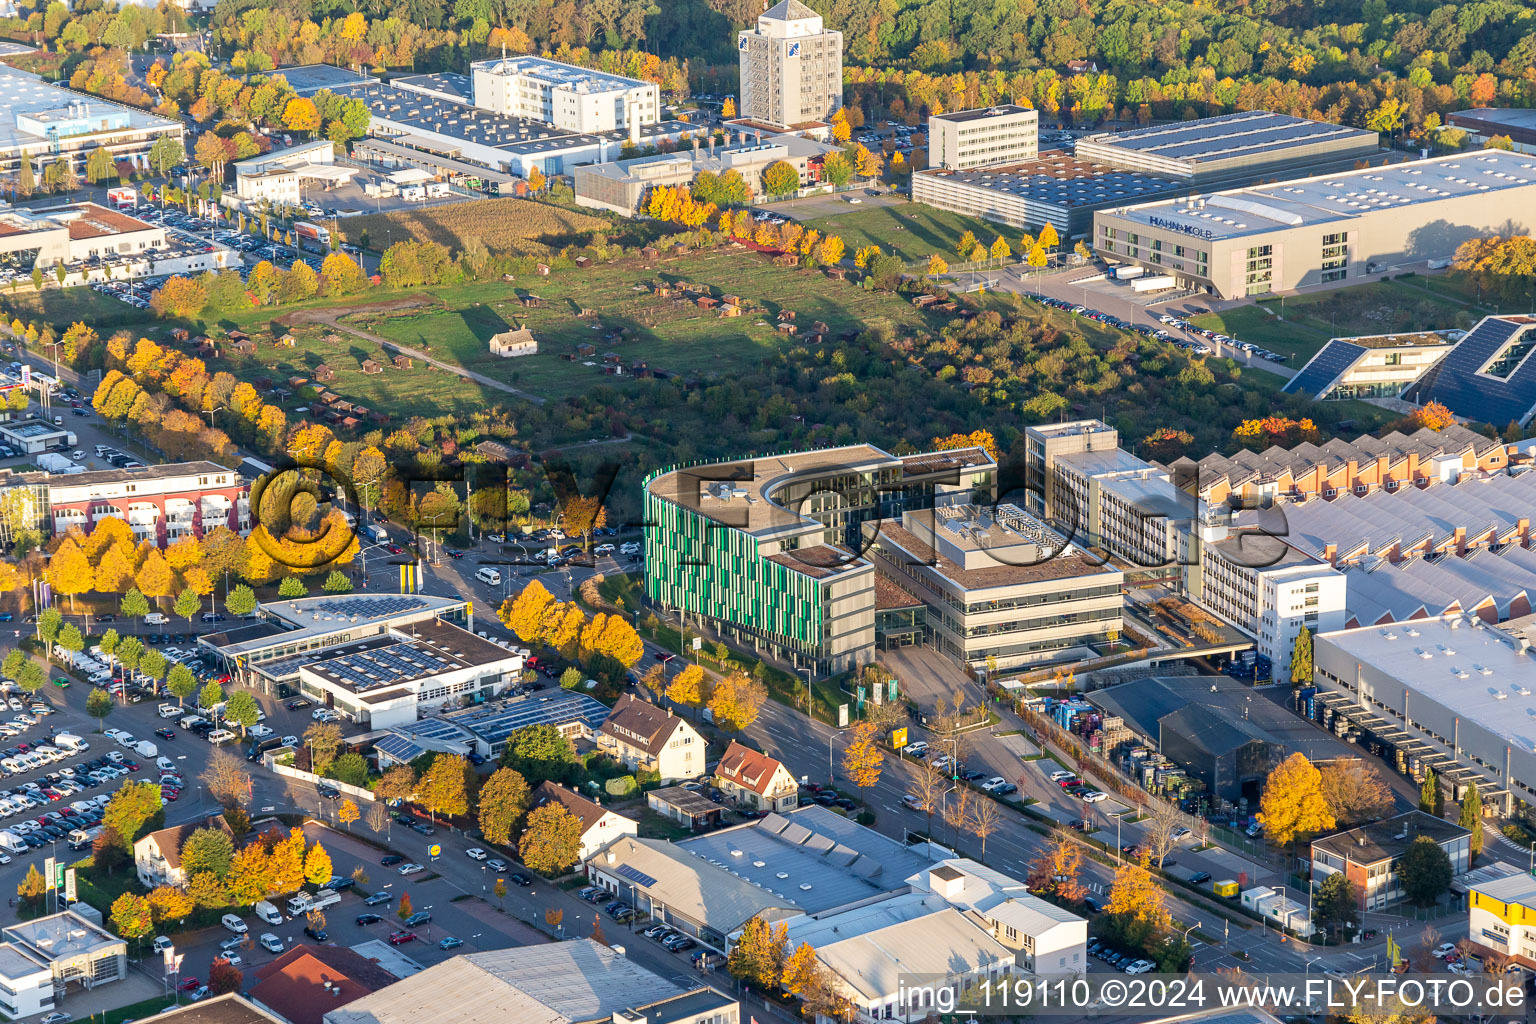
(599, 825)
(307, 982)
(752, 779)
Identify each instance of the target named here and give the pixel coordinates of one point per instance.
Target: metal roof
(1226, 137)
(493, 722)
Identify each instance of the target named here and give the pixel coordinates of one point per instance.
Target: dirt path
(332, 318)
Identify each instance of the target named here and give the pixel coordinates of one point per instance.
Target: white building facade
(574, 98)
(791, 67)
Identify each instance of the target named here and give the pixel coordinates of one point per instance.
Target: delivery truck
(413, 194)
(1159, 283)
(437, 189)
(146, 749)
(376, 533)
(1127, 273)
(123, 198)
(268, 913)
(54, 462)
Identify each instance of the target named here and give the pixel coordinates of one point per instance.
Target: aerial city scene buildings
(812, 511)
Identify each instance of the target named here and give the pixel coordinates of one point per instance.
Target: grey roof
(1389, 838)
(164, 471)
(1227, 136)
(448, 83)
(1358, 526)
(825, 859)
(689, 885)
(1214, 733)
(1516, 888)
(1382, 591)
(942, 944)
(1457, 664)
(24, 93)
(1488, 375)
(980, 113)
(16, 964)
(1519, 123)
(231, 1008)
(309, 617)
(788, 10)
(555, 983)
(308, 79)
(558, 74)
(1145, 703)
(65, 934)
(1343, 196)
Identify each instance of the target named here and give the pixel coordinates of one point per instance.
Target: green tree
(33, 888)
(242, 710)
(1301, 658)
(1471, 818)
(241, 600)
(182, 683)
(188, 603)
(503, 799)
(132, 916)
(207, 849)
(98, 705)
(1425, 871)
(292, 586)
(351, 768)
(1431, 797)
(781, 178)
(49, 623)
(211, 695)
(134, 605)
(551, 842)
(571, 678)
(337, 582)
(444, 787)
(134, 810)
(32, 677)
(1335, 904)
(540, 754)
(153, 665)
(71, 639)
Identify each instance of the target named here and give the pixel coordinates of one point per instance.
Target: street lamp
(475, 938)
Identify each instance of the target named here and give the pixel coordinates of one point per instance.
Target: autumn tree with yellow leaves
(862, 758)
(1294, 803)
(737, 701)
(1137, 911)
(687, 687)
(982, 439)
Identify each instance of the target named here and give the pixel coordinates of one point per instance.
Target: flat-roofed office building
(1006, 134)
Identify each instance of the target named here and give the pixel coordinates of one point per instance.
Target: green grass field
(912, 231)
(667, 333)
(1381, 307)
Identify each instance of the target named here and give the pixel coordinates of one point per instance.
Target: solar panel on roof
(634, 875)
(1323, 369)
(1457, 380)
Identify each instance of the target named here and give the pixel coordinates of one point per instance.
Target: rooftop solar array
(494, 722)
(1489, 375)
(634, 875)
(361, 671)
(368, 605)
(1324, 369)
(1226, 137)
(1062, 181)
(399, 747)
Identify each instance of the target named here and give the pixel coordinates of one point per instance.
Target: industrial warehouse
(1232, 147)
(1327, 229)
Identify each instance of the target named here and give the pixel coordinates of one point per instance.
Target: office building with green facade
(769, 551)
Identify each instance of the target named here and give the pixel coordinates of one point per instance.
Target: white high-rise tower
(791, 67)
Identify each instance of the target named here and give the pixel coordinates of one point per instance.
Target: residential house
(599, 825)
(644, 737)
(157, 856)
(509, 344)
(754, 780)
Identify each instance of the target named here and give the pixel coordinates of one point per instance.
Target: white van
(10, 842)
(220, 736)
(155, 619)
(69, 741)
(488, 575)
(268, 913)
(234, 924)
